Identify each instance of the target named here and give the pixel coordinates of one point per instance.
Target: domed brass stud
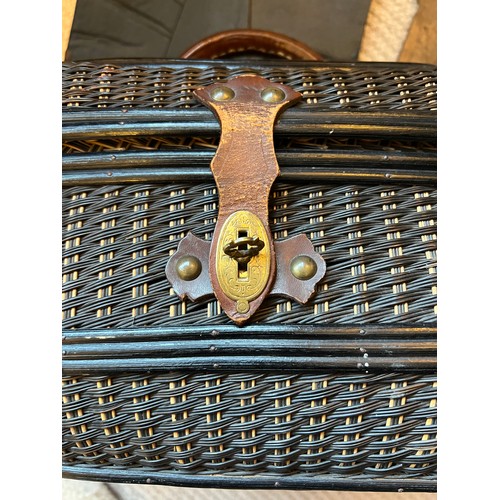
(188, 268)
(222, 93)
(272, 95)
(242, 306)
(303, 267)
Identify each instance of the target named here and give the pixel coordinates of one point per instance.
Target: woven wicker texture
(378, 239)
(171, 143)
(92, 85)
(246, 423)
(379, 243)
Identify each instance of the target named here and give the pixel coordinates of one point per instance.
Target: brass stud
(272, 95)
(242, 306)
(188, 268)
(222, 93)
(303, 267)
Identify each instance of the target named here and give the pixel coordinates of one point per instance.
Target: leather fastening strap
(242, 264)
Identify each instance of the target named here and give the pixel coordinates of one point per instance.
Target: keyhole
(243, 266)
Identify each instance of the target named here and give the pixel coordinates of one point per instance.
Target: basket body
(339, 393)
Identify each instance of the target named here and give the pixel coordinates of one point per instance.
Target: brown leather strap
(233, 42)
(244, 168)
(242, 259)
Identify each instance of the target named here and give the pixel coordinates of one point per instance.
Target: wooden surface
(68, 11)
(421, 43)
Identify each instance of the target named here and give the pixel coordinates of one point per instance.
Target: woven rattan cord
(379, 243)
(179, 157)
(246, 423)
(162, 142)
(361, 86)
(318, 121)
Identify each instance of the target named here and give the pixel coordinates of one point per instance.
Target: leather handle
(234, 42)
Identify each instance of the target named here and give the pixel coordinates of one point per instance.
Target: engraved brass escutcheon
(243, 280)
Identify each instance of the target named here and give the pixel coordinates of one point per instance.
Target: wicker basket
(339, 393)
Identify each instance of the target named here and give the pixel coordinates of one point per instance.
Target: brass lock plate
(244, 277)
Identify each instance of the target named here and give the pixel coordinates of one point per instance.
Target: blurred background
(340, 30)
